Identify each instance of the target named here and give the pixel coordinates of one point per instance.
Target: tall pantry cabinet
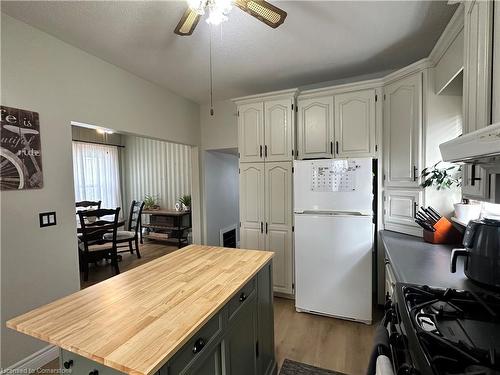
(266, 145)
(403, 115)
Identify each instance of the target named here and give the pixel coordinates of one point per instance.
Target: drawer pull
(94, 372)
(198, 345)
(243, 297)
(68, 364)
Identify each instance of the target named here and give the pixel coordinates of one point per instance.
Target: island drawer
(201, 342)
(241, 298)
(78, 365)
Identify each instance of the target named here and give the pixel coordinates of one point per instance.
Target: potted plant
(151, 202)
(442, 177)
(185, 201)
(445, 176)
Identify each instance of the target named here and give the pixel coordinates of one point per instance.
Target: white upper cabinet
(278, 225)
(315, 128)
(403, 132)
(278, 130)
(252, 206)
(496, 65)
(478, 55)
(251, 132)
(355, 124)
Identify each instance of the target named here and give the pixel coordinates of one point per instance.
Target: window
(96, 174)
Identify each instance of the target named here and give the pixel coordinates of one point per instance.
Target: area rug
(296, 368)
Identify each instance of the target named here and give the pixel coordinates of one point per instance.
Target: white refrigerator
(333, 237)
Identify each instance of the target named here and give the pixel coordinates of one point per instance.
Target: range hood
(481, 147)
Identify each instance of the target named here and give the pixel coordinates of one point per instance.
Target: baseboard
(34, 361)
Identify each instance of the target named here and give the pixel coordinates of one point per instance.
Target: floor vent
(228, 236)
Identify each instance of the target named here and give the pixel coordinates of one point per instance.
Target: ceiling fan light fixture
(218, 11)
(198, 6)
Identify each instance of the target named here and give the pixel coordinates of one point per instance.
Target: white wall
(64, 84)
(221, 192)
(443, 122)
(221, 130)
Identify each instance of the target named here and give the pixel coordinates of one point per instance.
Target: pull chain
(211, 77)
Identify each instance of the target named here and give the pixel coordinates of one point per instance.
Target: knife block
(445, 233)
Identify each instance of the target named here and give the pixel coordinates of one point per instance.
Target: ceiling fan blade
(263, 11)
(188, 22)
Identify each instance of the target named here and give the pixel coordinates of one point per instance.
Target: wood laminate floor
(328, 343)
(149, 251)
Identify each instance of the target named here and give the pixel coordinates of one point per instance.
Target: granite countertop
(417, 262)
(134, 322)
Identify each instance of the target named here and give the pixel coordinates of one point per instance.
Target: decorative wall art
(20, 150)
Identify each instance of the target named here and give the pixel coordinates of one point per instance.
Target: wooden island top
(136, 321)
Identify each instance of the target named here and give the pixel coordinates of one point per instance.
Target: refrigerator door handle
(333, 213)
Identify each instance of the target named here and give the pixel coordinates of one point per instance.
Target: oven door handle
(454, 256)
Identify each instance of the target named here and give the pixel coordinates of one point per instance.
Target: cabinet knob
(243, 297)
(198, 345)
(94, 372)
(68, 364)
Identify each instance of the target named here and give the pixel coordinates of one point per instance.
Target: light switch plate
(47, 219)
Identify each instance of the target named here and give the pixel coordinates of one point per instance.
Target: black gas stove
(436, 331)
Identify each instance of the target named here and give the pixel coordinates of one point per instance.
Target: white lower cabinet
(278, 225)
(252, 206)
(400, 208)
(266, 216)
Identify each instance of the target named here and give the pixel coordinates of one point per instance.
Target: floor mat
(296, 368)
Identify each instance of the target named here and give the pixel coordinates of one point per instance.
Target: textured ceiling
(319, 41)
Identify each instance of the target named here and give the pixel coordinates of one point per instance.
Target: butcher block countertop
(136, 321)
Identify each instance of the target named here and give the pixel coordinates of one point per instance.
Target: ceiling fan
(218, 10)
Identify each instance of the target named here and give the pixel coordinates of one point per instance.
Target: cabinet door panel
(211, 365)
(478, 27)
(278, 182)
(251, 132)
(480, 189)
(252, 205)
(400, 209)
(355, 124)
(278, 130)
(403, 131)
(315, 128)
(240, 342)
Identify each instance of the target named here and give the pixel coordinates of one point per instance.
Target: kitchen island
(199, 310)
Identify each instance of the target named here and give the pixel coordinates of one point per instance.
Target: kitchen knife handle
(454, 256)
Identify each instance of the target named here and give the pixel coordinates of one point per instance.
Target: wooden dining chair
(88, 205)
(92, 246)
(133, 232)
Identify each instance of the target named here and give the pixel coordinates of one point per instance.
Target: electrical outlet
(47, 219)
